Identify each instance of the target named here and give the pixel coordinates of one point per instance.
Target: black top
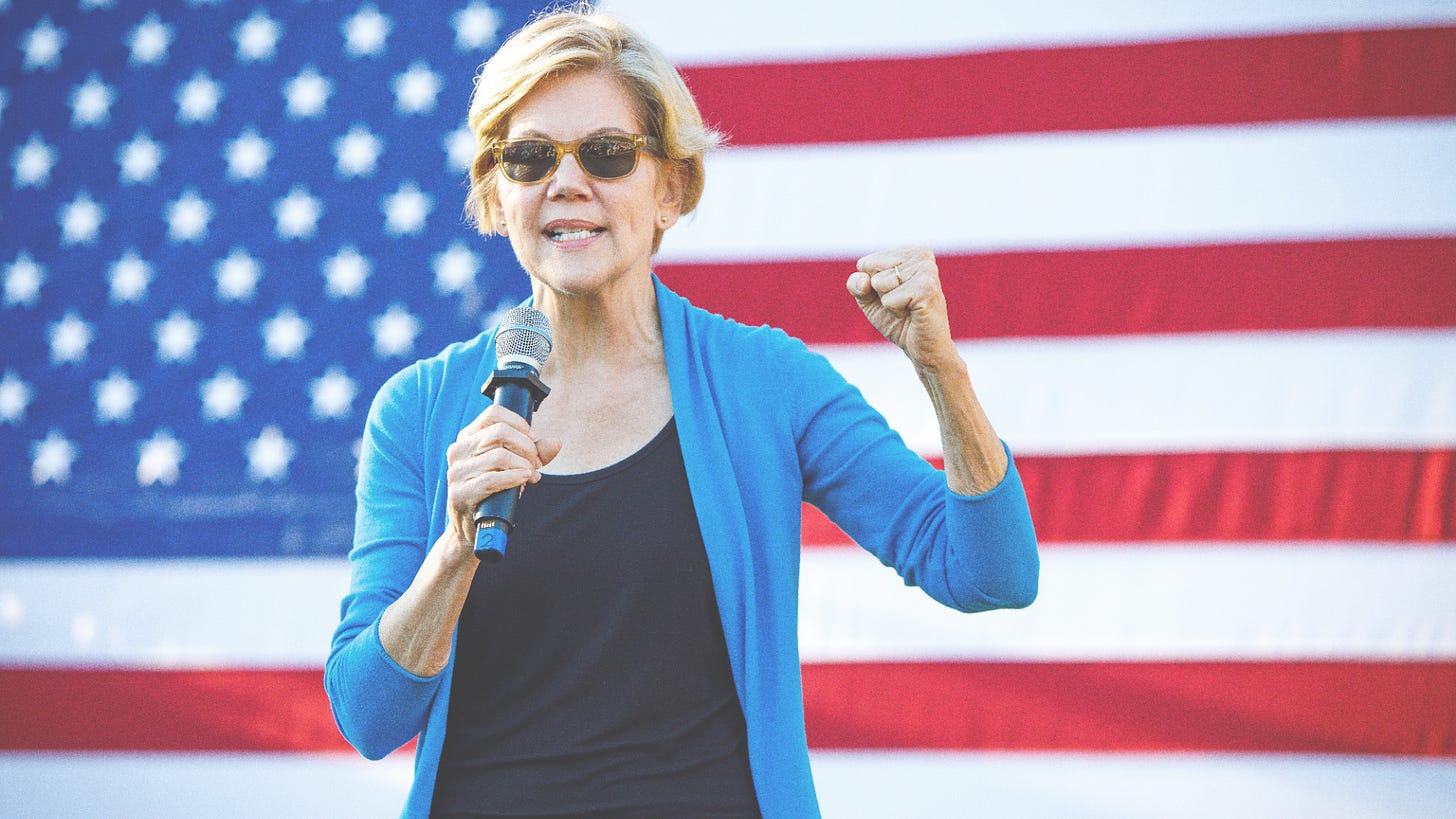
(591, 677)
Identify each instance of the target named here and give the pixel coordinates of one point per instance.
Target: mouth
(571, 231)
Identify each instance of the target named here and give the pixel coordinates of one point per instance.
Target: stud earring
(662, 219)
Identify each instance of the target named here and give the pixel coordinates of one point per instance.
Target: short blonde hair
(579, 38)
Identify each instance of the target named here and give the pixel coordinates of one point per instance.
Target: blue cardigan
(765, 424)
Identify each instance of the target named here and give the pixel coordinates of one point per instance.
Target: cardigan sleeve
(377, 704)
(972, 553)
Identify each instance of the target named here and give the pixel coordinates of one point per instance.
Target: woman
(635, 653)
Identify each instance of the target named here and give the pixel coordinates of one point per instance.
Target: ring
(898, 279)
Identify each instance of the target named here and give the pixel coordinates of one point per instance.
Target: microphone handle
(519, 389)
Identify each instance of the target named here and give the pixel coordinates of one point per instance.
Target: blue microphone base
(490, 543)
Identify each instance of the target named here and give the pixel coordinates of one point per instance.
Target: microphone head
(524, 337)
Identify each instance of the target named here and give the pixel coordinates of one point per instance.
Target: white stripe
(1151, 602)
(1156, 601)
(1321, 180)
(851, 784)
(773, 30)
(1193, 392)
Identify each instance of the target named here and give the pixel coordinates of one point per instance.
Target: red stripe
(1280, 286)
(1380, 495)
(1308, 707)
(1326, 75)
(1327, 707)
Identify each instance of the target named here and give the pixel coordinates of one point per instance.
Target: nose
(569, 181)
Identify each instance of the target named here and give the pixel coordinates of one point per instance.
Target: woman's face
(573, 232)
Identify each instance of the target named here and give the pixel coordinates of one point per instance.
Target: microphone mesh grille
(524, 332)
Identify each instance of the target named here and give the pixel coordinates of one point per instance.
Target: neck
(614, 327)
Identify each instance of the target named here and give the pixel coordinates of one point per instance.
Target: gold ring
(899, 280)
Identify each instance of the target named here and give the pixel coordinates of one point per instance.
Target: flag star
(80, 220)
(269, 455)
(307, 93)
(51, 459)
(69, 339)
(33, 162)
(345, 273)
(87, 5)
(475, 26)
(237, 276)
(257, 37)
(15, 396)
(332, 394)
(197, 99)
(455, 268)
(357, 151)
(248, 156)
(115, 397)
(139, 159)
(42, 46)
(394, 332)
(176, 336)
(223, 396)
(159, 459)
(365, 32)
(23, 278)
(405, 210)
(129, 277)
(284, 335)
(187, 217)
(149, 41)
(91, 102)
(460, 149)
(296, 215)
(415, 90)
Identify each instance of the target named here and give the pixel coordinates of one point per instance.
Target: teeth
(570, 235)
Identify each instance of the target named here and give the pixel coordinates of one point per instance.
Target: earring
(662, 219)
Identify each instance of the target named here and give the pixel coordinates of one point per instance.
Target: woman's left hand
(899, 292)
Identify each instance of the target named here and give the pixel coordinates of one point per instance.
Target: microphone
(521, 345)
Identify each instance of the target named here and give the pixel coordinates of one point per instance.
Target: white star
(149, 41)
(269, 455)
(257, 37)
(405, 210)
(223, 396)
(284, 335)
(248, 156)
(42, 46)
(455, 269)
(237, 276)
(475, 26)
(187, 217)
(460, 149)
(159, 459)
(394, 332)
(33, 162)
(296, 215)
(69, 339)
(23, 278)
(80, 220)
(357, 151)
(176, 336)
(87, 5)
(415, 90)
(344, 274)
(115, 397)
(307, 93)
(332, 394)
(364, 33)
(129, 278)
(14, 398)
(91, 102)
(139, 159)
(197, 98)
(51, 459)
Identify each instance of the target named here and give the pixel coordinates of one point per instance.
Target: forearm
(417, 629)
(975, 461)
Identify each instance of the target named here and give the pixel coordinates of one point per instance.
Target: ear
(669, 194)
(495, 213)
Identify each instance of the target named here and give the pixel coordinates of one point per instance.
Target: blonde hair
(581, 39)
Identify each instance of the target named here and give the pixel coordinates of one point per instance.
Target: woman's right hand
(494, 452)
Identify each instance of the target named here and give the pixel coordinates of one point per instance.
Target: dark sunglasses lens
(528, 161)
(608, 157)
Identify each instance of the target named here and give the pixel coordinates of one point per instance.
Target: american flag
(1201, 259)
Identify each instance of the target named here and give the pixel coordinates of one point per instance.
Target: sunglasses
(611, 156)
